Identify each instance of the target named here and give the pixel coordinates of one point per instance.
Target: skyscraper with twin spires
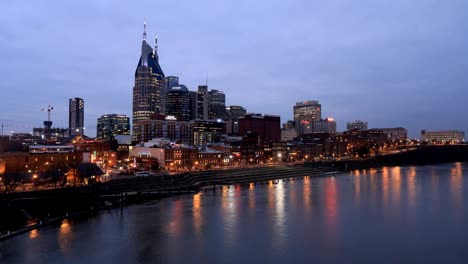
(149, 91)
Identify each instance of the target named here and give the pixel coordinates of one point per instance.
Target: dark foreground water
(393, 215)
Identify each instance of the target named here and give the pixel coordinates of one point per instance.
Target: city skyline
(413, 55)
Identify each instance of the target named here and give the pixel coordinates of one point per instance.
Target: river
(390, 215)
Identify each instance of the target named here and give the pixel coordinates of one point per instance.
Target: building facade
(233, 112)
(327, 125)
(171, 129)
(443, 136)
(171, 81)
(111, 125)
(268, 127)
(178, 103)
(149, 95)
(356, 125)
(201, 104)
(307, 110)
(76, 116)
(394, 134)
(216, 105)
(305, 113)
(207, 131)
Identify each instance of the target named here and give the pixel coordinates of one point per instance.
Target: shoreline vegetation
(26, 211)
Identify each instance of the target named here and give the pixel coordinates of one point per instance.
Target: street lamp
(279, 157)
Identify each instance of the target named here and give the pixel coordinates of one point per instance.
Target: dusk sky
(391, 63)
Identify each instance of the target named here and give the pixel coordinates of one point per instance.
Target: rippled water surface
(392, 215)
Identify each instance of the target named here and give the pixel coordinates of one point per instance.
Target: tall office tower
(356, 125)
(216, 105)
(235, 111)
(75, 116)
(202, 106)
(149, 92)
(178, 103)
(111, 125)
(193, 105)
(171, 81)
(306, 112)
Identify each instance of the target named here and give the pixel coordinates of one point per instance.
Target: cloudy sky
(391, 63)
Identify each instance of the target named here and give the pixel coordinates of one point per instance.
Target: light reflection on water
(390, 215)
(279, 220)
(65, 236)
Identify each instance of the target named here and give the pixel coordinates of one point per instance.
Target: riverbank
(50, 206)
(422, 155)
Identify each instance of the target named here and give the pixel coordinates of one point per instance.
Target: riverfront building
(75, 116)
(443, 136)
(149, 92)
(111, 125)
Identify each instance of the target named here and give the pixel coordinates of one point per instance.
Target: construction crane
(48, 123)
(48, 109)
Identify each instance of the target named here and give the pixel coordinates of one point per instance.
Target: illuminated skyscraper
(171, 81)
(306, 112)
(201, 104)
(178, 103)
(75, 116)
(111, 125)
(216, 104)
(149, 95)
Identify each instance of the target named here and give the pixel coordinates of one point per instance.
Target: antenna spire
(156, 45)
(144, 30)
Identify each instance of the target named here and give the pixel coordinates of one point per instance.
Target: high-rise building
(233, 112)
(149, 95)
(216, 105)
(202, 105)
(205, 131)
(356, 125)
(193, 105)
(178, 103)
(268, 127)
(111, 125)
(305, 113)
(76, 116)
(307, 110)
(171, 81)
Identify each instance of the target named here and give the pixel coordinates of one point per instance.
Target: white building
(443, 136)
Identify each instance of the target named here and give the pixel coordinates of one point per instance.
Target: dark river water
(392, 215)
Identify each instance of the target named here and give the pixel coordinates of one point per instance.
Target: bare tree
(8, 186)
